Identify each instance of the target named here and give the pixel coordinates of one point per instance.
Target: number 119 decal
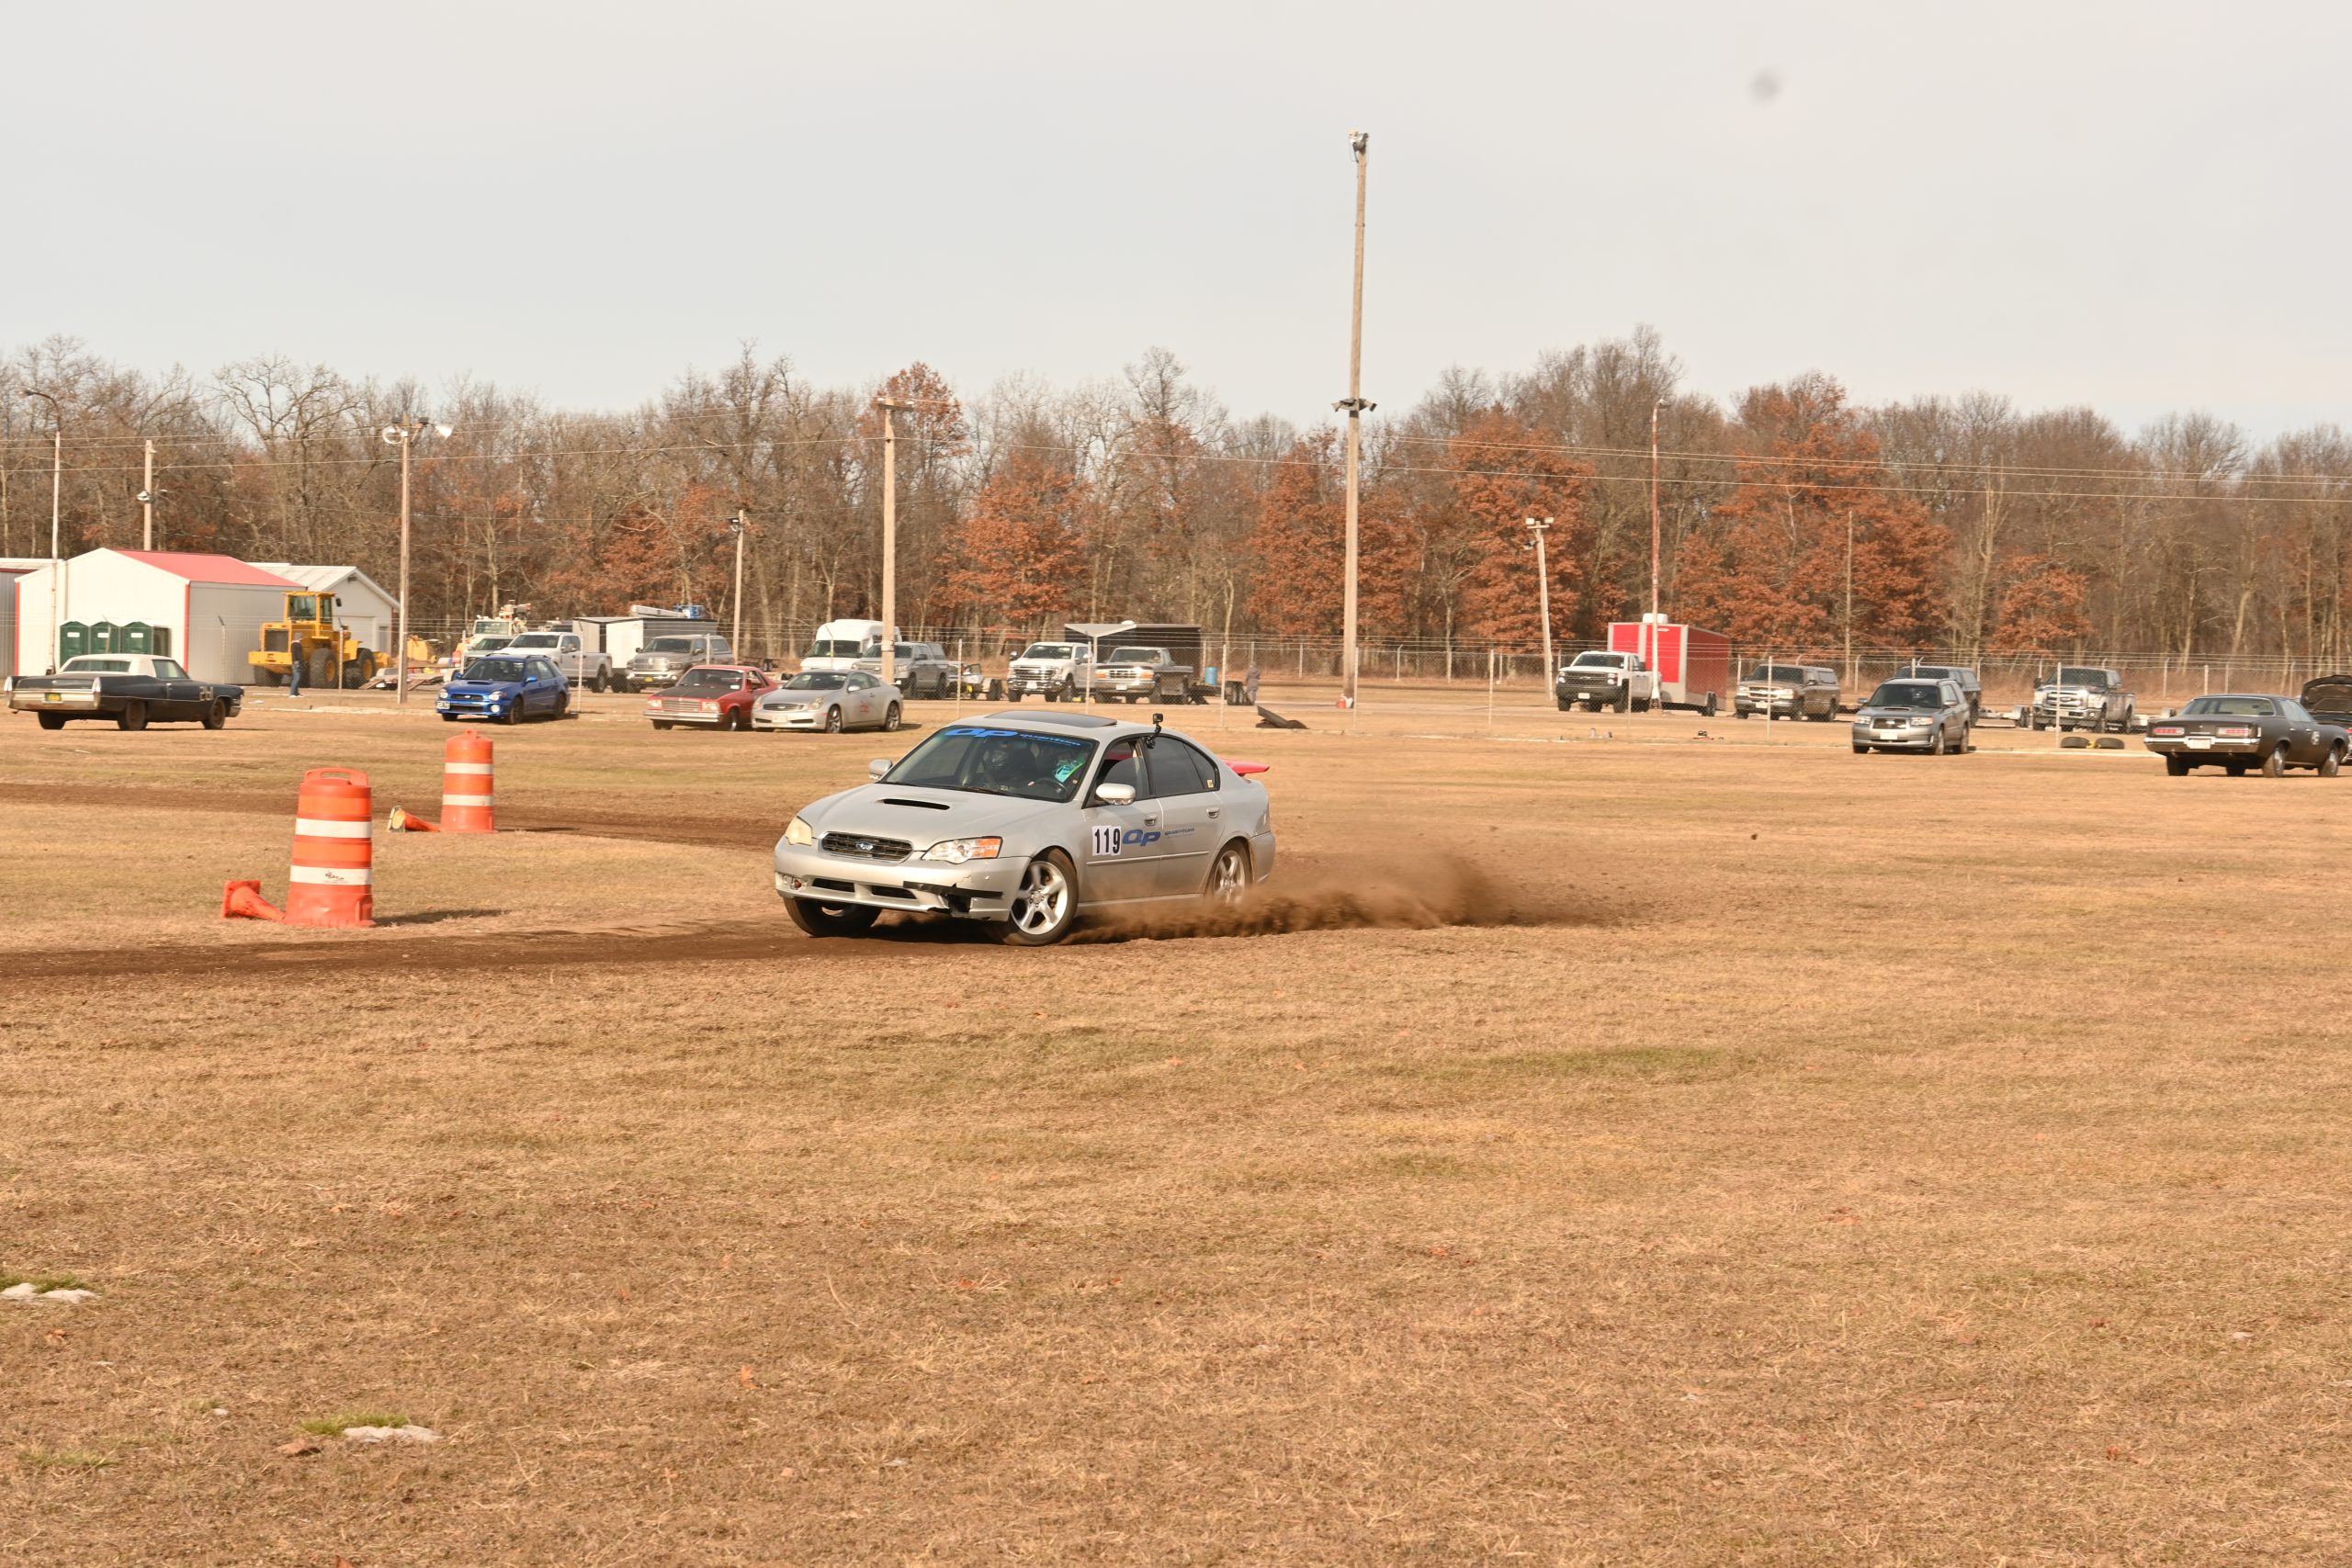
(1107, 841)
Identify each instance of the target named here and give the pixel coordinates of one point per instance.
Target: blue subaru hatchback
(506, 691)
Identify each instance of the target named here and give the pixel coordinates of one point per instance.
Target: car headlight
(798, 832)
(1923, 724)
(955, 852)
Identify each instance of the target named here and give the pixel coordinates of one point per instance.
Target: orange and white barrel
(333, 882)
(469, 785)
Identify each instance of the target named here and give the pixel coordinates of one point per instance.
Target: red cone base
(242, 901)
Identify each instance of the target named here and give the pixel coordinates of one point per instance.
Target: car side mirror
(1115, 794)
(875, 768)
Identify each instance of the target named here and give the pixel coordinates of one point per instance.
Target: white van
(839, 645)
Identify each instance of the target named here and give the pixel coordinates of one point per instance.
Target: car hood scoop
(925, 804)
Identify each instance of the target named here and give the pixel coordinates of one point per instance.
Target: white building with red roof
(205, 611)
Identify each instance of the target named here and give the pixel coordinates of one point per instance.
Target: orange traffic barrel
(333, 882)
(469, 785)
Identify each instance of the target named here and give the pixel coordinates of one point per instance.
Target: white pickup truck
(1058, 672)
(580, 666)
(1599, 679)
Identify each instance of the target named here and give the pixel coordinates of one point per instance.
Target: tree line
(1791, 515)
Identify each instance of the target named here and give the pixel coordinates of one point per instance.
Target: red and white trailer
(1693, 665)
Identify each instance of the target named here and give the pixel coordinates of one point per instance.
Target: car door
(1120, 850)
(2304, 747)
(176, 696)
(547, 685)
(1183, 785)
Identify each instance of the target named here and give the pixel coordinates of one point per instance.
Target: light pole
(56, 493)
(1537, 525)
(890, 407)
(404, 436)
(1355, 408)
(740, 526)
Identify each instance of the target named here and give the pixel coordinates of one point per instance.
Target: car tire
(1861, 750)
(1741, 715)
(1625, 703)
(2332, 763)
(2274, 766)
(132, 717)
(1708, 709)
(661, 724)
(515, 713)
(833, 720)
(1566, 705)
(217, 715)
(2176, 767)
(891, 718)
(1228, 878)
(832, 919)
(50, 720)
(1044, 906)
(1936, 744)
(2235, 770)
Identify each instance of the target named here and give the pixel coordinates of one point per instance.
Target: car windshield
(1936, 672)
(990, 760)
(1906, 695)
(1600, 661)
(1051, 650)
(708, 680)
(670, 645)
(2072, 677)
(488, 644)
(537, 639)
(1134, 656)
(2233, 707)
(817, 680)
(494, 669)
(87, 666)
(1790, 674)
(836, 647)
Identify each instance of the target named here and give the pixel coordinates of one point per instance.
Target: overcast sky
(2138, 206)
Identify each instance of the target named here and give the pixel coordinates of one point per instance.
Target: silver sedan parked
(1914, 715)
(832, 700)
(1029, 821)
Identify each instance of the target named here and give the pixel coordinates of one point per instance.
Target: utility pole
(147, 502)
(1650, 653)
(738, 527)
(1536, 526)
(404, 436)
(1359, 142)
(56, 494)
(1849, 599)
(890, 407)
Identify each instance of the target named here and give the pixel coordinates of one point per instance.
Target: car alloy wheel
(891, 718)
(832, 721)
(2275, 765)
(1936, 742)
(1228, 878)
(1044, 906)
(2332, 763)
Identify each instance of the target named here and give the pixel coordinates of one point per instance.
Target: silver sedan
(1029, 821)
(832, 700)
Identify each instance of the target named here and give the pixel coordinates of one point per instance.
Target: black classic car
(132, 689)
(2239, 731)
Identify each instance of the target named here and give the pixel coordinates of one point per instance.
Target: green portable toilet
(138, 637)
(106, 638)
(73, 641)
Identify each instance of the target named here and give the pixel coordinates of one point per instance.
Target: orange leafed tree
(1505, 473)
(1298, 543)
(1814, 503)
(1020, 554)
(2041, 609)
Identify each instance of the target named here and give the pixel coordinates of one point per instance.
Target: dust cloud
(1393, 893)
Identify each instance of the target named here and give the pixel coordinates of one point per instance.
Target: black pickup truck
(132, 689)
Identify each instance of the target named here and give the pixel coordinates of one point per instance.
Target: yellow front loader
(309, 634)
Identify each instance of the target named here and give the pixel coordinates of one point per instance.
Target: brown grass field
(1641, 1150)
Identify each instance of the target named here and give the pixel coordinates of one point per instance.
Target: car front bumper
(1906, 740)
(476, 707)
(1780, 707)
(977, 890)
(787, 718)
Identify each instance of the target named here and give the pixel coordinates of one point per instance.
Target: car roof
(1032, 719)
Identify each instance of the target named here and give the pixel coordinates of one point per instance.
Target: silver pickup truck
(1134, 672)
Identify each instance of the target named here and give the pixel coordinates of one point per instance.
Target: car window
(547, 670)
(816, 680)
(101, 666)
(862, 681)
(2295, 711)
(1178, 769)
(1122, 764)
(170, 670)
(992, 761)
(2233, 707)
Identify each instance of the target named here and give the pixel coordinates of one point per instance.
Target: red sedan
(711, 696)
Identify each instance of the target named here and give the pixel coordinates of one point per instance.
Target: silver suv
(919, 669)
(663, 660)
